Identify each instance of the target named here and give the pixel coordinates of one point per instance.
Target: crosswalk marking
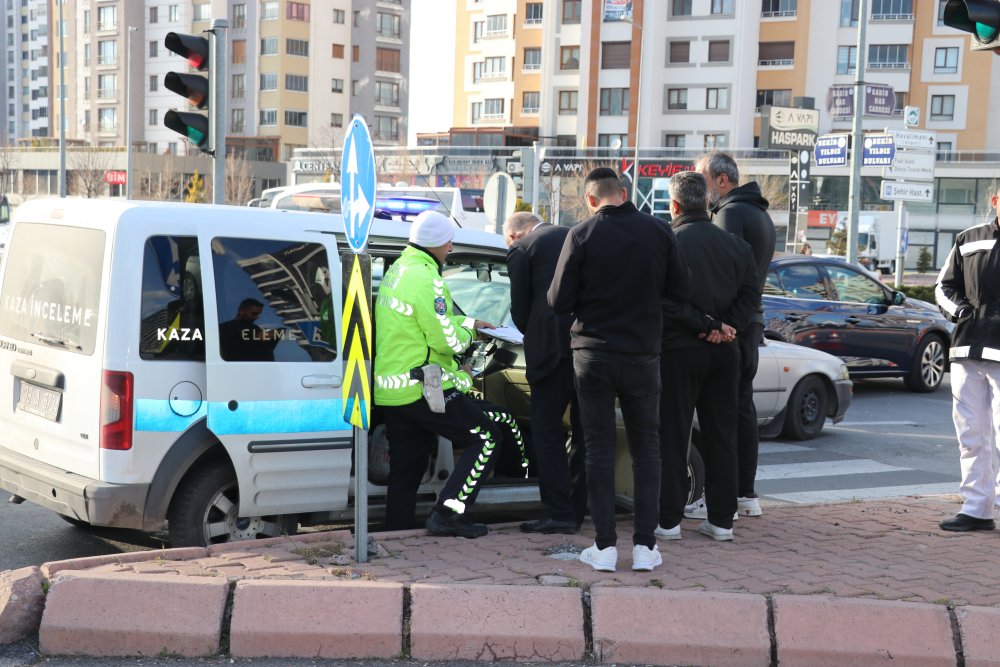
(822, 469)
(840, 495)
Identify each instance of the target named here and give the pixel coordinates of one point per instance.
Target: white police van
(176, 366)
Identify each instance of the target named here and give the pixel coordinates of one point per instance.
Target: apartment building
(24, 69)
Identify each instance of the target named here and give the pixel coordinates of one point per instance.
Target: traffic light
(194, 87)
(979, 17)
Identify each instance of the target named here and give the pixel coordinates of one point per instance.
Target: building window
(203, 12)
(569, 57)
(476, 112)
(677, 98)
(716, 98)
(776, 54)
(239, 51)
(239, 16)
(338, 51)
(612, 140)
(496, 25)
(533, 13)
(355, 87)
(107, 52)
(892, 10)
(530, 102)
(386, 94)
(387, 128)
(356, 18)
(297, 11)
(900, 103)
(614, 101)
(493, 107)
(338, 16)
(680, 7)
(847, 59)
(673, 141)
(889, 56)
(571, 11)
(946, 60)
(154, 83)
(387, 60)
(387, 25)
(107, 120)
(940, 14)
(680, 52)
(944, 149)
(173, 12)
(154, 117)
(776, 8)
(337, 86)
(491, 68)
(616, 55)
(237, 120)
(154, 49)
(269, 12)
(849, 11)
(777, 98)
(722, 7)
(239, 86)
(336, 120)
(297, 83)
(532, 59)
(715, 141)
(295, 118)
(718, 51)
(297, 47)
(107, 18)
(356, 54)
(568, 102)
(154, 17)
(269, 81)
(269, 46)
(942, 107)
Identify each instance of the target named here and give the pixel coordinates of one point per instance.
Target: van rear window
(52, 287)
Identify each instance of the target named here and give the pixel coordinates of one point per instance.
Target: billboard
(788, 128)
(617, 10)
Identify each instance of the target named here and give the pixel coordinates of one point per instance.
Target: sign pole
(854, 205)
(900, 254)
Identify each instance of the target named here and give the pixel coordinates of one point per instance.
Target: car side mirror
(898, 298)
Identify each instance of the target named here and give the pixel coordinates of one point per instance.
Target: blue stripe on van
(277, 417)
(157, 415)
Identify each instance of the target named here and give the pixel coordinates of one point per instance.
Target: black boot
(451, 524)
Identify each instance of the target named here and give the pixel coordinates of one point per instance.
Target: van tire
(209, 496)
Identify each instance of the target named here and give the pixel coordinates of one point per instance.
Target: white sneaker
(699, 510)
(749, 506)
(668, 533)
(602, 560)
(645, 559)
(716, 533)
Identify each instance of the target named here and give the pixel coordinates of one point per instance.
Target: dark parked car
(831, 305)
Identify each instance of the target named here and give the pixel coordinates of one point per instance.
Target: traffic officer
(422, 392)
(968, 292)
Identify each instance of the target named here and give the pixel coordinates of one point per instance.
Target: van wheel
(205, 511)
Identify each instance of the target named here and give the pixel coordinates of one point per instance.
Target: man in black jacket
(531, 262)
(742, 211)
(613, 270)
(968, 292)
(701, 361)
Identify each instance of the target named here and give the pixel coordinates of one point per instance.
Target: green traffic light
(195, 137)
(985, 33)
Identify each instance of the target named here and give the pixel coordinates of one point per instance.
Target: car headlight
(844, 373)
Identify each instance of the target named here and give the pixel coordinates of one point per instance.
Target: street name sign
(878, 150)
(896, 190)
(911, 166)
(914, 139)
(831, 150)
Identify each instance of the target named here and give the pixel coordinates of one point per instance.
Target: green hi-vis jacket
(415, 326)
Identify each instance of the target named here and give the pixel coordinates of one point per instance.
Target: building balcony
(779, 62)
(790, 13)
(891, 18)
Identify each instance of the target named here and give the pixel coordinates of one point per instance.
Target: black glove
(963, 313)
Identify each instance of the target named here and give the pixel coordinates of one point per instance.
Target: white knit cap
(430, 229)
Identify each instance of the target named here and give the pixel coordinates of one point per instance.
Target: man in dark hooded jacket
(742, 211)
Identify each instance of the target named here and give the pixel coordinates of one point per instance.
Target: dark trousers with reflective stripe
(412, 431)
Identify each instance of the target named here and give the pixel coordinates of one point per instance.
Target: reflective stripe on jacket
(415, 326)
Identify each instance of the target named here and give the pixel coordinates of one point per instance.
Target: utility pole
(217, 108)
(857, 141)
(62, 104)
(128, 114)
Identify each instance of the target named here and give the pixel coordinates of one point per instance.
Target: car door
(877, 336)
(798, 307)
(767, 385)
(273, 309)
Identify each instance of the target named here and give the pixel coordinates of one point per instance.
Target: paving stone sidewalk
(886, 550)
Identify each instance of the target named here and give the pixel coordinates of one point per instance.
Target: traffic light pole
(857, 149)
(217, 102)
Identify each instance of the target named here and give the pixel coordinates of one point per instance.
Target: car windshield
(480, 289)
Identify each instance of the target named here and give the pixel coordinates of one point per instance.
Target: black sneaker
(450, 524)
(550, 526)
(964, 522)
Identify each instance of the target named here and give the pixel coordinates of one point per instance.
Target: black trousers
(477, 427)
(747, 431)
(704, 377)
(635, 381)
(562, 481)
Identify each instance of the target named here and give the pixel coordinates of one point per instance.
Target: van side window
(172, 310)
(52, 286)
(274, 300)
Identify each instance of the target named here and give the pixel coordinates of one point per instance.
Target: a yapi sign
(789, 128)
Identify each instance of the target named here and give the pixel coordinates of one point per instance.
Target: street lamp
(638, 111)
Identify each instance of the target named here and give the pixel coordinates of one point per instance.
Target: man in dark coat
(742, 211)
(531, 262)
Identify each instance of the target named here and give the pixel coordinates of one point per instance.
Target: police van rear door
(274, 369)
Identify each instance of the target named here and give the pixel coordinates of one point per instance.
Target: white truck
(877, 242)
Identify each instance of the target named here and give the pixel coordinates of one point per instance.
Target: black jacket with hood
(743, 212)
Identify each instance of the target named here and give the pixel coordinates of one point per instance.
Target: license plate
(39, 401)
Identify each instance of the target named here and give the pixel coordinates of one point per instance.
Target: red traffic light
(192, 47)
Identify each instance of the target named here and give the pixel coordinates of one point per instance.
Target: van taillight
(116, 411)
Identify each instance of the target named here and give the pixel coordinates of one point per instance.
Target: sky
(432, 58)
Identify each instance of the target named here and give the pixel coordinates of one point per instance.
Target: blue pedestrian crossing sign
(357, 184)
